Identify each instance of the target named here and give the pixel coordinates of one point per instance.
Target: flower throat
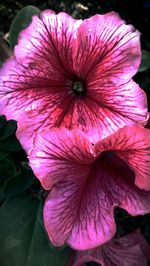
(79, 88)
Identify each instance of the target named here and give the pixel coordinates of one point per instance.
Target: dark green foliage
(145, 64)
(23, 239)
(21, 21)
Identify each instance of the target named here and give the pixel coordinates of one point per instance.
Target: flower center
(116, 165)
(78, 88)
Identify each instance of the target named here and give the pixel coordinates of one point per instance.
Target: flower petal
(72, 215)
(35, 83)
(97, 116)
(24, 88)
(121, 105)
(106, 109)
(61, 153)
(63, 159)
(79, 208)
(109, 184)
(79, 211)
(49, 37)
(127, 250)
(64, 155)
(63, 29)
(107, 46)
(132, 144)
(32, 97)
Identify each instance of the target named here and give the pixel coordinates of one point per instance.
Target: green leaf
(3, 123)
(4, 51)
(8, 140)
(8, 168)
(145, 63)
(10, 144)
(21, 21)
(9, 129)
(26, 165)
(145, 83)
(2, 185)
(23, 240)
(3, 154)
(19, 183)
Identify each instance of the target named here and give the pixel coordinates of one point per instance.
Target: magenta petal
(63, 159)
(72, 215)
(34, 84)
(49, 37)
(132, 144)
(122, 251)
(63, 30)
(24, 96)
(109, 184)
(107, 55)
(37, 85)
(107, 46)
(117, 106)
(85, 187)
(61, 153)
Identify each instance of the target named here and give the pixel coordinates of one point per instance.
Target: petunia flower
(86, 182)
(74, 74)
(129, 250)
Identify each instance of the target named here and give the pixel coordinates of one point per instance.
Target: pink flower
(87, 182)
(74, 74)
(130, 250)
